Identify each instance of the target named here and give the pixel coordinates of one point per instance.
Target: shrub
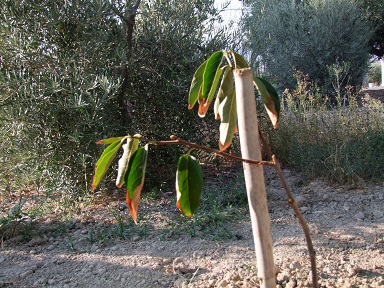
(374, 73)
(321, 139)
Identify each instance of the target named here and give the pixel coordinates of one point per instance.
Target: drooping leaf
(189, 184)
(129, 148)
(134, 179)
(213, 65)
(105, 161)
(270, 99)
(211, 77)
(196, 85)
(239, 60)
(228, 125)
(226, 87)
(204, 108)
(109, 140)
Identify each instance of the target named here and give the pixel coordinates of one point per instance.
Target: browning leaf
(135, 179)
(270, 99)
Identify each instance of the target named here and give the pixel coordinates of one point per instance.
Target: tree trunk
(254, 176)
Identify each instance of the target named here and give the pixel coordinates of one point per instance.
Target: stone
(346, 207)
(301, 201)
(26, 273)
(377, 214)
(295, 266)
(36, 241)
(222, 283)
(359, 216)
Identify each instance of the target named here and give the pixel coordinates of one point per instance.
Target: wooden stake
(254, 176)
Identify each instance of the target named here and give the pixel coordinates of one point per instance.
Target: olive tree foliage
(71, 73)
(324, 39)
(375, 16)
(55, 87)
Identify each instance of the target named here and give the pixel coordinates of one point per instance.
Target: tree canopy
(310, 36)
(73, 71)
(375, 15)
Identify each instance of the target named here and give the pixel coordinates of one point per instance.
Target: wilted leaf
(129, 148)
(105, 161)
(189, 184)
(239, 60)
(270, 99)
(135, 179)
(196, 84)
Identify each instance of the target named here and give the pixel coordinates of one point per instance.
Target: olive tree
(309, 36)
(72, 71)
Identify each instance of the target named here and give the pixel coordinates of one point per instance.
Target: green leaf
(110, 140)
(196, 84)
(270, 99)
(135, 179)
(239, 60)
(189, 184)
(129, 148)
(215, 83)
(220, 94)
(226, 87)
(228, 125)
(211, 77)
(105, 161)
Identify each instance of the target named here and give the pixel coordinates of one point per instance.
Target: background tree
(309, 36)
(69, 73)
(375, 15)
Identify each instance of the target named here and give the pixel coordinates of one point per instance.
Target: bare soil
(346, 225)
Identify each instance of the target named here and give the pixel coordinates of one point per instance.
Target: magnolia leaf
(239, 60)
(105, 161)
(211, 77)
(228, 125)
(226, 88)
(110, 140)
(129, 148)
(134, 179)
(196, 84)
(189, 184)
(213, 65)
(270, 99)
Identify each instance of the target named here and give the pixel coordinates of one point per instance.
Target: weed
(324, 139)
(70, 243)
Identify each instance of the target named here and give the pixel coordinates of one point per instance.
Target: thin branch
(293, 204)
(177, 141)
(304, 225)
(133, 11)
